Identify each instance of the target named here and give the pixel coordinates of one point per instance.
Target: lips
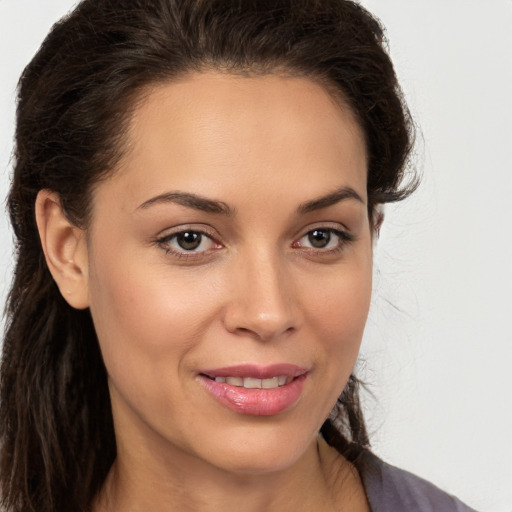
(256, 390)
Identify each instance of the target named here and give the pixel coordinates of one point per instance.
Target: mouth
(254, 383)
(256, 390)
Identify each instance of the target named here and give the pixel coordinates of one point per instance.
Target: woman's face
(229, 269)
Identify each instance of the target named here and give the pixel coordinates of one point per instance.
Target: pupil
(189, 241)
(319, 238)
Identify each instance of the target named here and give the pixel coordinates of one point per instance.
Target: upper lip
(257, 371)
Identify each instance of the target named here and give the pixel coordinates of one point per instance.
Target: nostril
(263, 333)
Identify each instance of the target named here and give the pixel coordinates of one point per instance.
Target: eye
(320, 238)
(324, 239)
(188, 242)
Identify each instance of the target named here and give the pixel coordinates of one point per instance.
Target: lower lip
(256, 402)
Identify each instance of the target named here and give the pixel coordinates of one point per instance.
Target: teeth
(252, 383)
(235, 381)
(270, 383)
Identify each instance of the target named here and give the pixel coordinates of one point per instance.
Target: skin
(255, 291)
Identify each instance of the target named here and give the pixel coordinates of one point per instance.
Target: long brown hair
(74, 103)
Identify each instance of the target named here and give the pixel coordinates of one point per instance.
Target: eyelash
(344, 238)
(164, 242)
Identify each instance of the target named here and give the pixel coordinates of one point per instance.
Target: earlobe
(65, 249)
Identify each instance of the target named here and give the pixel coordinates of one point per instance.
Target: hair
(75, 100)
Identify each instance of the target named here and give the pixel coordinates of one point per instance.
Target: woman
(196, 194)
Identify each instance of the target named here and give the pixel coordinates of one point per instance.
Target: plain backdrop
(437, 353)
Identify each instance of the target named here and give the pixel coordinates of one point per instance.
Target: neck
(153, 473)
(319, 480)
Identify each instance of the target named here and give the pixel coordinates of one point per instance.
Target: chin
(258, 450)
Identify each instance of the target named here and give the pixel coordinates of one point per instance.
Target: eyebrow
(204, 204)
(191, 201)
(341, 194)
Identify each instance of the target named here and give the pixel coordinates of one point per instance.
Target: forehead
(214, 133)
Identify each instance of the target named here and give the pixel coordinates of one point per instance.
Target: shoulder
(390, 489)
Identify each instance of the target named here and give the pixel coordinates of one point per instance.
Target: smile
(252, 383)
(256, 390)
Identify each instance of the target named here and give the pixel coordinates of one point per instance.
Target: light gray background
(437, 352)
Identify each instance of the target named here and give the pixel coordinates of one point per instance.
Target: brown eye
(319, 238)
(324, 240)
(189, 240)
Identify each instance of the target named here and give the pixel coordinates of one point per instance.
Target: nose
(262, 301)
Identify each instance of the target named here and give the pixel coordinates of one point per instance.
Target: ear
(378, 216)
(64, 247)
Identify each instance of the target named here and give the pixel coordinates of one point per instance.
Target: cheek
(338, 303)
(337, 312)
(145, 316)
(148, 324)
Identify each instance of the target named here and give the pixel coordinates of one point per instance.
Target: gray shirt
(390, 489)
